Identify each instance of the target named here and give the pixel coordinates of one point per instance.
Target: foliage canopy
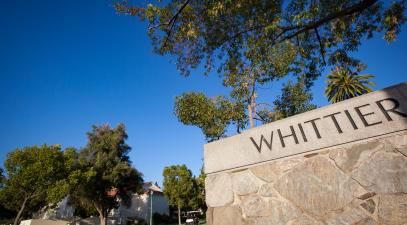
(179, 187)
(211, 115)
(254, 43)
(106, 175)
(35, 178)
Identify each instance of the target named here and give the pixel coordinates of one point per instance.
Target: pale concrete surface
(349, 167)
(367, 116)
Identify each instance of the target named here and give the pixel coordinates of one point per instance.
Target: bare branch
(259, 119)
(160, 25)
(321, 47)
(168, 35)
(171, 22)
(263, 103)
(262, 119)
(173, 18)
(256, 28)
(346, 12)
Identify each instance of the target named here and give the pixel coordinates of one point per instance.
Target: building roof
(150, 186)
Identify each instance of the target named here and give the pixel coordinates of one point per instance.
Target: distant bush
(6, 221)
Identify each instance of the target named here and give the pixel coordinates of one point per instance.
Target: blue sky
(66, 65)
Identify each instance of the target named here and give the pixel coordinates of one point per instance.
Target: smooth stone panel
(306, 220)
(218, 190)
(282, 212)
(255, 206)
(271, 171)
(349, 158)
(245, 182)
(230, 215)
(267, 190)
(351, 216)
(383, 173)
(267, 212)
(392, 209)
(316, 186)
(351, 120)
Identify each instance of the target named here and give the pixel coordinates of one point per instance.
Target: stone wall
(363, 183)
(341, 164)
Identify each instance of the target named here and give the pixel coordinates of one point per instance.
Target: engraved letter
(314, 126)
(351, 120)
(362, 116)
(335, 121)
(292, 134)
(269, 144)
(302, 132)
(393, 110)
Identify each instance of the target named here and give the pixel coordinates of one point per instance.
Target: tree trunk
(251, 107)
(102, 216)
(20, 212)
(102, 220)
(179, 215)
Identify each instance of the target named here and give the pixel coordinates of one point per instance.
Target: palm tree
(344, 84)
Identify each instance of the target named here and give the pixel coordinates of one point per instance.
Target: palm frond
(342, 84)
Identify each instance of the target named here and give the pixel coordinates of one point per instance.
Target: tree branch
(346, 12)
(303, 28)
(321, 47)
(160, 25)
(262, 119)
(263, 103)
(168, 35)
(241, 33)
(283, 30)
(173, 18)
(171, 22)
(259, 119)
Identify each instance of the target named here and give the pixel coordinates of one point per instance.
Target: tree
(77, 175)
(106, 176)
(200, 190)
(4, 213)
(2, 178)
(344, 84)
(295, 99)
(34, 179)
(211, 115)
(254, 43)
(179, 187)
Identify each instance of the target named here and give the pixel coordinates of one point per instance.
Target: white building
(141, 204)
(63, 210)
(140, 208)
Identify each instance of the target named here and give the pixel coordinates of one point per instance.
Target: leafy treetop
(211, 115)
(179, 187)
(35, 177)
(344, 84)
(253, 43)
(106, 175)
